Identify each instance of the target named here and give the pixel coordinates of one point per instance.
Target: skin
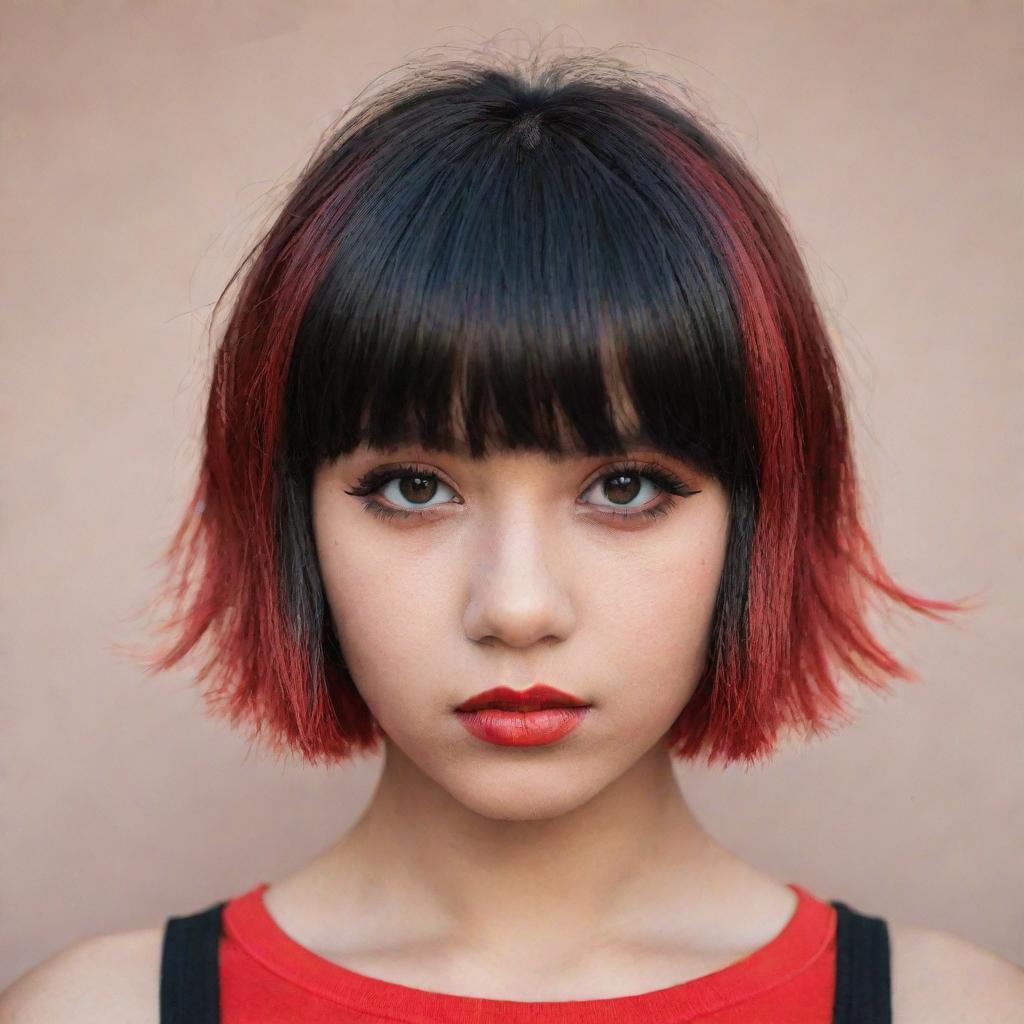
(575, 871)
(562, 857)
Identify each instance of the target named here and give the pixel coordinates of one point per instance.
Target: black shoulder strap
(190, 969)
(863, 993)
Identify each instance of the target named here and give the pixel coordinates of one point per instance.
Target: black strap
(863, 993)
(190, 968)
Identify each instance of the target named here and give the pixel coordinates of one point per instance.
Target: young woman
(527, 466)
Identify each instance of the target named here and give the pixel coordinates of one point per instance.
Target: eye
(400, 484)
(631, 486)
(410, 490)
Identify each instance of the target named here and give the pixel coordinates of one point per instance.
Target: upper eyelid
(414, 467)
(380, 476)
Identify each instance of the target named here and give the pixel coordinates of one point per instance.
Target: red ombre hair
(519, 244)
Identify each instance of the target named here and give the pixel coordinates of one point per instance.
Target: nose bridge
(518, 590)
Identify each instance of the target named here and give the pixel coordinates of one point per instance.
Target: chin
(520, 794)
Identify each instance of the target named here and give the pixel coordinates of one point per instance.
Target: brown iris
(417, 488)
(615, 488)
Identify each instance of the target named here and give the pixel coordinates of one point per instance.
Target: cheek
(391, 614)
(653, 617)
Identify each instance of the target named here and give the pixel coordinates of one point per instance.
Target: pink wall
(143, 145)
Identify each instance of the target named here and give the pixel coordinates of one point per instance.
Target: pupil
(630, 489)
(424, 489)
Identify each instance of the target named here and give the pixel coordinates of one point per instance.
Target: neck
(604, 867)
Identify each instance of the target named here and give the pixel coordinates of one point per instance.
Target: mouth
(522, 728)
(537, 698)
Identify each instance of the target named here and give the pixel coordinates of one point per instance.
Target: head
(527, 383)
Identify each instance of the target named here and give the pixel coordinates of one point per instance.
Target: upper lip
(538, 696)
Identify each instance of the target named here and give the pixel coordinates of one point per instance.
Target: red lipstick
(514, 718)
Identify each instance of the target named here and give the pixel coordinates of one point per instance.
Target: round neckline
(807, 933)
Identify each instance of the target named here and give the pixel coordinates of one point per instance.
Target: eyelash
(664, 480)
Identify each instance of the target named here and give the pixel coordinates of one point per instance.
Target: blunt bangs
(523, 275)
(565, 258)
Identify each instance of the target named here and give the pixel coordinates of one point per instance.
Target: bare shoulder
(104, 978)
(939, 978)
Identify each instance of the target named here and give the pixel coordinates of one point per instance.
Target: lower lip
(522, 728)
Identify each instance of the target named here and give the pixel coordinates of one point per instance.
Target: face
(447, 576)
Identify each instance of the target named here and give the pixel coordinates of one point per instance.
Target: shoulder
(104, 978)
(939, 978)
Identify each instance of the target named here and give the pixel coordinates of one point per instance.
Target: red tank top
(266, 976)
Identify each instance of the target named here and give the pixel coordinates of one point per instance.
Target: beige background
(143, 143)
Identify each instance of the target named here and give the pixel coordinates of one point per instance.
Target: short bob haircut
(514, 246)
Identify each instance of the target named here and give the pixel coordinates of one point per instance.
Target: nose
(519, 586)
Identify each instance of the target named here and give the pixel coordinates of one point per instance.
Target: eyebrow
(629, 439)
